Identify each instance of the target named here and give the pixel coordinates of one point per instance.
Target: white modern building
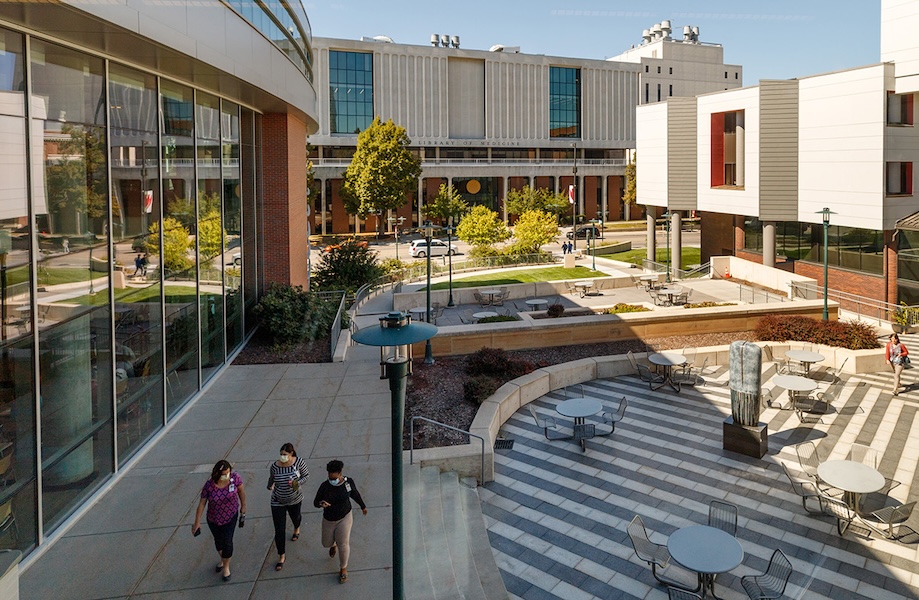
(761, 164)
(488, 121)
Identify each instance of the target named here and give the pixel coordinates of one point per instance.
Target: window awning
(910, 223)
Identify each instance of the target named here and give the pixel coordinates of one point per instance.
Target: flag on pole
(148, 201)
(570, 194)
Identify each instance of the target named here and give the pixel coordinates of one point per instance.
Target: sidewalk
(136, 541)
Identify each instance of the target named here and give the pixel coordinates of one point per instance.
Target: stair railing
(411, 447)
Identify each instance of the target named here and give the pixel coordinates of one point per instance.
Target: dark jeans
(279, 516)
(223, 536)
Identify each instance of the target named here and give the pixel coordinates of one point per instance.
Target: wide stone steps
(447, 553)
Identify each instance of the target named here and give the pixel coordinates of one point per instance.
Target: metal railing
(750, 294)
(335, 329)
(418, 271)
(653, 266)
(485, 162)
(700, 271)
(411, 447)
(882, 312)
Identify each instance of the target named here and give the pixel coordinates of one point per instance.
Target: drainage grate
(504, 444)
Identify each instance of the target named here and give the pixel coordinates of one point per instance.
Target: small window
(736, 75)
(658, 70)
(725, 74)
(658, 92)
(671, 90)
(899, 109)
(647, 93)
(899, 178)
(671, 70)
(647, 69)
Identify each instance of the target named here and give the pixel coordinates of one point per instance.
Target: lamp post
(826, 212)
(593, 239)
(666, 217)
(450, 230)
(428, 350)
(398, 220)
(398, 333)
(574, 199)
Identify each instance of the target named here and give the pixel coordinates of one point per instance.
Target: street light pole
(826, 212)
(666, 216)
(450, 258)
(397, 332)
(593, 239)
(428, 350)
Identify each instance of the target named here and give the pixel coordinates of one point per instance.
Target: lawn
(521, 276)
(691, 256)
(175, 294)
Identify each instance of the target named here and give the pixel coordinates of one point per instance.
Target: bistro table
(584, 287)
(795, 384)
(707, 551)
(806, 358)
(491, 293)
(667, 360)
(649, 281)
(418, 313)
(670, 292)
(484, 314)
(854, 478)
(579, 409)
(537, 303)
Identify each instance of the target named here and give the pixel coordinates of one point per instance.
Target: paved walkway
(557, 517)
(136, 541)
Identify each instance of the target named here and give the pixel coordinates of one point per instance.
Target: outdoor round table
(854, 478)
(707, 551)
(649, 280)
(484, 314)
(667, 360)
(579, 409)
(584, 287)
(417, 313)
(794, 384)
(805, 357)
(491, 293)
(670, 292)
(535, 303)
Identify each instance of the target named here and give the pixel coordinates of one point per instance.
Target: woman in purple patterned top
(225, 498)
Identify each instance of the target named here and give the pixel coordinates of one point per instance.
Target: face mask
(335, 481)
(284, 458)
(225, 477)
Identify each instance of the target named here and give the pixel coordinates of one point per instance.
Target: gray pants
(338, 533)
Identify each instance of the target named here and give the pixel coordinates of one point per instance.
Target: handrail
(697, 272)
(335, 329)
(411, 437)
(863, 306)
(768, 296)
(650, 265)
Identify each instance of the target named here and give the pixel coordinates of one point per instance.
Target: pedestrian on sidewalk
(138, 265)
(225, 498)
(285, 480)
(334, 498)
(564, 248)
(897, 357)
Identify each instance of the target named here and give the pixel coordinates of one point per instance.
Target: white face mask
(284, 458)
(335, 481)
(225, 477)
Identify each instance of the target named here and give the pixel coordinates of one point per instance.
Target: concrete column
(322, 207)
(768, 243)
(420, 199)
(604, 193)
(676, 242)
(739, 153)
(651, 231)
(532, 179)
(504, 197)
(556, 179)
(579, 194)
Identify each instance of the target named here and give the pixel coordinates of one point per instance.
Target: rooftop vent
(503, 48)
(442, 39)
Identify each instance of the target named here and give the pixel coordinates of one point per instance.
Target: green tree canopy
(381, 172)
(346, 268)
(212, 237)
(482, 227)
(533, 229)
(631, 191)
(76, 182)
(447, 203)
(526, 199)
(176, 244)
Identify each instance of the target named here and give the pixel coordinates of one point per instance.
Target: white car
(419, 248)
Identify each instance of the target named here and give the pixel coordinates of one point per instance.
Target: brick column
(890, 265)
(284, 200)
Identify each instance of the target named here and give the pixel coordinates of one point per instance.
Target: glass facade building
(350, 91)
(564, 102)
(128, 263)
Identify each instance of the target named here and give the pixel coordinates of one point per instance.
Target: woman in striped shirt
(286, 479)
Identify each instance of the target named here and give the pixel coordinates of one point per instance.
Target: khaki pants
(897, 370)
(338, 533)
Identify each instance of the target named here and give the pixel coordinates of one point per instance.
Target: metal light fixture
(428, 233)
(593, 238)
(398, 221)
(666, 216)
(450, 230)
(395, 337)
(826, 212)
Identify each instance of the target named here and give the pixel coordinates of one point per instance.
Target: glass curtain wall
(71, 227)
(247, 260)
(231, 233)
(210, 227)
(135, 192)
(18, 526)
(181, 231)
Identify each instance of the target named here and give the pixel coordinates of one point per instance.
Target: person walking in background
(334, 498)
(897, 357)
(225, 498)
(138, 265)
(285, 480)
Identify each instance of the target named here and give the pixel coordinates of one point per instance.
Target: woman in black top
(334, 498)
(285, 480)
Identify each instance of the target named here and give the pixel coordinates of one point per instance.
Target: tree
(631, 191)
(447, 203)
(533, 229)
(482, 227)
(212, 237)
(346, 268)
(381, 172)
(76, 181)
(176, 244)
(526, 199)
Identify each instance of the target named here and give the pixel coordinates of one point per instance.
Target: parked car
(419, 248)
(584, 232)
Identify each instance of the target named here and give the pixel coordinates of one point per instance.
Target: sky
(779, 39)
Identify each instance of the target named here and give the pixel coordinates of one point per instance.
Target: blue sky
(779, 39)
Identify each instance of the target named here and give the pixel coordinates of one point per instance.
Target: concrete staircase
(447, 553)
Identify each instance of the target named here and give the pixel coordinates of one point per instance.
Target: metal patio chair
(845, 516)
(894, 516)
(722, 515)
(611, 418)
(770, 584)
(657, 556)
(805, 488)
(547, 424)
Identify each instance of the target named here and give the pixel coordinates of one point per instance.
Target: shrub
(708, 304)
(624, 308)
(499, 319)
(555, 311)
(495, 362)
(346, 268)
(290, 315)
(853, 335)
(477, 389)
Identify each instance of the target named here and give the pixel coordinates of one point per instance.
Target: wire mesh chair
(678, 594)
(845, 515)
(723, 516)
(611, 418)
(658, 557)
(547, 424)
(771, 583)
(894, 516)
(808, 458)
(805, 488)
(869, 456)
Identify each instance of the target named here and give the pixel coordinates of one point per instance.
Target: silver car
(419, 248)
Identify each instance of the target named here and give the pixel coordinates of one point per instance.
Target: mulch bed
(261, 351)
